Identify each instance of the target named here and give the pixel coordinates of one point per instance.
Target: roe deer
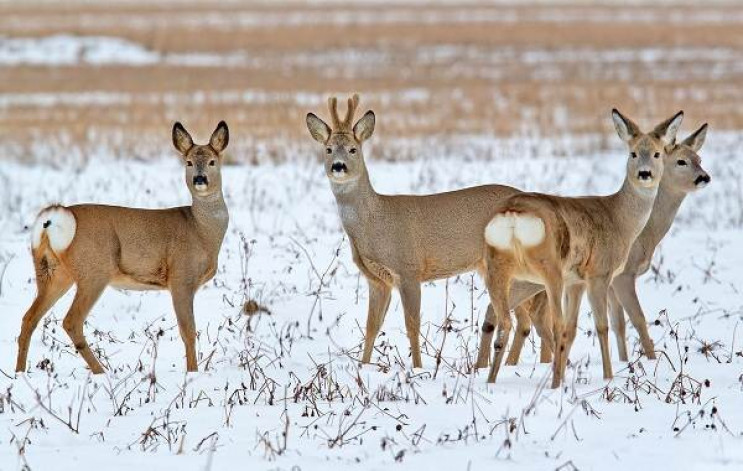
(400, 240)
(566, 243)
(683, 174)
(95, 246)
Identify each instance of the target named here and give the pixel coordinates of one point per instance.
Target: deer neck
(664, 211)
(211, 218)
(356, 203)
(631, 208)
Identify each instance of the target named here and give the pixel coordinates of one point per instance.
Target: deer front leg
(379, 302)
(618, 324)
(523, 329)
(183, 296)
(624, 287)
(410, 293)
(88, 292)
(597, 295)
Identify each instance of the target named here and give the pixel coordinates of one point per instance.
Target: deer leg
(49, 292)
(618, 324)
(499, 281)
(87, 294)
(554, 285)
(523, 329)
(543, 326)
(573, 296)
(486, 336)
(624, 287)
(379, 302)
(183, 296)
(598, 289)
(410, 293)
(519, 292)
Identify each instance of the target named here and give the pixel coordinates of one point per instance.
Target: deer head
(683, 168)
(344, 159)
(647, 150)
(203, 162)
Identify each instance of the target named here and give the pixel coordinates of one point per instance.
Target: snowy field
(282, 389)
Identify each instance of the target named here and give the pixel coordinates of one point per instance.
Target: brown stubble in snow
(423, 78)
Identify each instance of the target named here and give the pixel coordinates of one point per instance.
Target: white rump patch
(59, 224)
(504, 228)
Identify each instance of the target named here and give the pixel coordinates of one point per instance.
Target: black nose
(200, 180)
(645, 174)
(702, 179)
(338, 167)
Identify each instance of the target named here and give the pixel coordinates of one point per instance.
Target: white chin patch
(59, 225)
(201, 187)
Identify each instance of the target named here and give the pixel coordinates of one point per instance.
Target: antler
(347, 123)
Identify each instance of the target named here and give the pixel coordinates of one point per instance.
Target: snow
(295, 369)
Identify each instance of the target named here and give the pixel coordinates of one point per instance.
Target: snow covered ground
(283, 390)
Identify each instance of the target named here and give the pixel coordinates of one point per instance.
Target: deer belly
(128, 282)
(378, 270)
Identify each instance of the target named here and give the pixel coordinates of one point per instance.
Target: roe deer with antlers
(574, 243)
(683, 174)
(95, 246)
(400, 240)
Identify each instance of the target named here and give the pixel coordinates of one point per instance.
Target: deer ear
(181, 138)
(364, 127)
(220, 137)
(319, 130)
(696, 140)
(667, 130)
(624, 126)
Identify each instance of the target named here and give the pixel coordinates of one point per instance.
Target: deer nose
(702, 180)
(645, 175)
(200, 180)
(338, 167)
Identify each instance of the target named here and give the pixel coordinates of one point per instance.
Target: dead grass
(423, 79)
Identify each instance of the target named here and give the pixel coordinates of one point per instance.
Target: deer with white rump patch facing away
(400, 241)
(95, 246)
(683, 174)
(573, 244)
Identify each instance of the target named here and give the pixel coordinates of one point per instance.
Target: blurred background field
(82, 79)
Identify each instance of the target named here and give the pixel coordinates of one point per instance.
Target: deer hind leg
(543, 325)
(554, 286)
(618, 324)
(518, 293)
(573, 297)
(410, 293)
(183, 297)
(379, 302)
(499, 269)
(598, 289)
(486, 336)
(88, 292)
(523, 329)
(624, 287)
(49, 291)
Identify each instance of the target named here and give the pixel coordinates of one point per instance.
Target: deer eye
(189, 163)
(633, 154)
(329, 150)
(212, 163)
(681, 163)
(656, 155)
(352, 150)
